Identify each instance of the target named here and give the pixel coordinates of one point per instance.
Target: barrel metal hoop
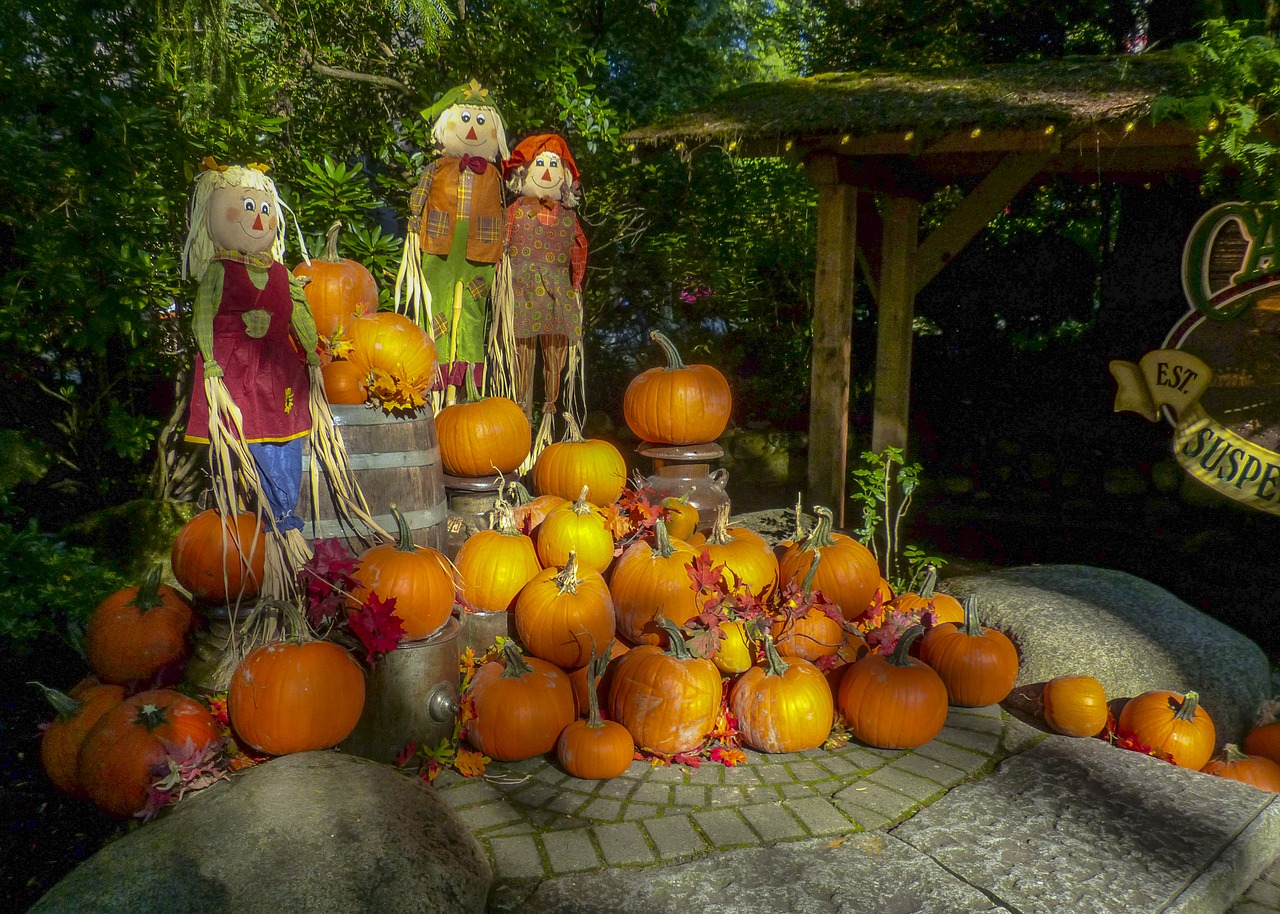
(417, 520)
(391, 460)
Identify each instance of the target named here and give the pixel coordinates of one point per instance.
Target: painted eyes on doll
(465, 117)
(250, 205)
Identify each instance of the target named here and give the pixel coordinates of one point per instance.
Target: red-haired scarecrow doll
(538, 301)
(455, 232)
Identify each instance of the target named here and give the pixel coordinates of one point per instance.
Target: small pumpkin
(580, 528)
(649, 582)
(782, 706)
(744, 553)
(595, 748)
(77, 712)
(521, 705)
(340, 290)
(1075, 705)
(496, 564)
(417, 577)
(529, 512)
(218, 560)
(344, 383)
(1172, 724)
(945, 607)
(564, 467)
(737, 650)
(894, 701)
(561, 614)
(681, 516)
(978, 665)
(678, 403)
(296, 696)
(849, 575)
(140, 633)
(1254, 770)
(483, 436)
(806, 632)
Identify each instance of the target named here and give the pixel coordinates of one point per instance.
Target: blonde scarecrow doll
(538, 301)
(455, 233)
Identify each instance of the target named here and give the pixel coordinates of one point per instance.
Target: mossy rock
(134, 535)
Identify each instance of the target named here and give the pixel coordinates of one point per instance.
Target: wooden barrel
(395, 462)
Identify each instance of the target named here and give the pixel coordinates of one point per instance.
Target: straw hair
(437, 130)
(199, 250)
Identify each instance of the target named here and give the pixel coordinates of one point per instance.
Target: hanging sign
(1216, 378)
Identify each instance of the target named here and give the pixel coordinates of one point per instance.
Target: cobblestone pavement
(1263, 897)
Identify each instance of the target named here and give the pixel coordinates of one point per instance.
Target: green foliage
(883, 485)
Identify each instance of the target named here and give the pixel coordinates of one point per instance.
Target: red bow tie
(476, 163)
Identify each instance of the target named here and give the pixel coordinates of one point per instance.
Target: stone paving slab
(1077, 826)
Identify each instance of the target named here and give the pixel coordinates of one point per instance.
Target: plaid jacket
(444, 194)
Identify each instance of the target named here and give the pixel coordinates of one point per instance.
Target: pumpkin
(417, 577)
(289, 696)
(483, 436)
(781, 706)
(1075, 705)
(580, 527)
(564, 467)
(1254, 770)
(561, 615)
(737, 651)
(529, 512)
(578, 679)
(743, 552)
(894, 701)
(117, 758)
(850, 652)
(340, 290)
(668, 700)
(393, 343)
(344, 383)
(77, 712)
(681, 516)
(978, 665)
(945, 607)
(1264, 740)
(677, 403)
(1172, 724)
(139, 634)
(496, 564)
(849, 575)
(595, 748)
(521, 706)
(809, 635)
(651, 581)
(218, 560)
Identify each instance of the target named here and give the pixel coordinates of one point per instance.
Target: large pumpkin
(595, 749)
(139, 633)
(1173, 724)
(418, 577)
(893, 701)
(295, 697)
(579, 528)
(744, 553)
(77, 712)
(1075, 705)
(345, 383)
(678, 403)
(483, 437)
(1254, 770)
(565, 467)
(117, 758)
(562, 615)
(393, 343)
(978, 665)
(496, 564)
(220, 560)
(849, 575)
(521, 706)
(781, 706)
(340, 290)
(650, 582)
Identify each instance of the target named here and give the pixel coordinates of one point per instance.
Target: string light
(1048, 131)
(790, 143)
(1128, 128)
(909, 136)
(977, 132)
(844, 139)
(1213, 125)
(680, 145)
(733, 144)
(631, 147)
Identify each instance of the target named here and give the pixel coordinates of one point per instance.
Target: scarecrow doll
(455, 232)
(538, 302)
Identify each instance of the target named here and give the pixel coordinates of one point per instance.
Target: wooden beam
(832, 339)
(870, 241)
(974, 212)
(893, 326)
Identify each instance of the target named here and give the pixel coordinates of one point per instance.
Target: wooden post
(832, 337)
(893, 324)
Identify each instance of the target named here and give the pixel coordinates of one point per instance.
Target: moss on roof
(1066, 92)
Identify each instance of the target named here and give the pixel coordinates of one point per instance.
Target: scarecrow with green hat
(455, 232)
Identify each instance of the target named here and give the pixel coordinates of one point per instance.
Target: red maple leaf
(705, 576)
(884, 638)
(377, 626)
(331, 560)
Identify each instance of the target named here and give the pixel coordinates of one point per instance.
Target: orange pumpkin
(1173, 724)
(743, 552)
(77, 712)
(651, 582)
(945, 607)
(344, 383)
(418, 577)
(849, 574)
(565, 467)
(139, 633)
(391, 342)
(894, 701)
(521, 706)
(340, 290)
(978, 665)
(561, 615)
(678, 403)
(581, 528)
(496, 564)
(781, 706)
(483, 436)
(1264, 740)
(219, 560)
(1075, 705)
(681, 516)
(809, 635)
(1254, 770)
(529, 512)
(595, 748)
(578, 679)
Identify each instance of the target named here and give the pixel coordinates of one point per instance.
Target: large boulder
(1127, 633)
(317, 832)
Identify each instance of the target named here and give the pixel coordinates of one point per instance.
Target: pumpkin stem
(820, 536)
(66, 706)
(1231, 754)
(516, 666)
(582, 507)
(405, 534)
(1190, 702)
(504, 519)
(567, 579)
(806, 586)
(473, 393)
(148, 595)
(929, 583)
(901, 655)
(677, 647)
(595, 670)
(331, 242)
(719, 535)
(151, 716)
(674, 362)
(774, 665)
(572, 433)
(972, 624)
(519, 494)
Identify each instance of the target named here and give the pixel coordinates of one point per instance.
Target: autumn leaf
(704, 642)
(377, 626)
(728, 757)
(469, 763)
(406, 754)
(706, 576)
(618, 522)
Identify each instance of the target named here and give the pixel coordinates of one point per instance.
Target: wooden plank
(893, 326)
(974, 212)
(832, 344)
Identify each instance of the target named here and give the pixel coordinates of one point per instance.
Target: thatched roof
(1064, 93)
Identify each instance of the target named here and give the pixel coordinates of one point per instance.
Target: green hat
(471, 93)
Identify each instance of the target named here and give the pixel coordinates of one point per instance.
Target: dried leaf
(377, 626)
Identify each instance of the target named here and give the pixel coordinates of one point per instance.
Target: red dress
(265, 372)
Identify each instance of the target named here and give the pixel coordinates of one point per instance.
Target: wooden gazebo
(902, 136)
